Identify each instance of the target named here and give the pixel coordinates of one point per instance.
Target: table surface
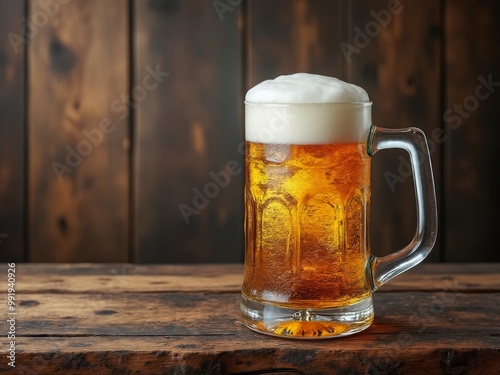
(155, 319)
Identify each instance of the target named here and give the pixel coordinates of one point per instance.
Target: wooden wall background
(69, 67)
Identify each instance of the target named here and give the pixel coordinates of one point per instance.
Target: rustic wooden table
(159, 319)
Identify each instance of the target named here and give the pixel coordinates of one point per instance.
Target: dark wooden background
(68, 67)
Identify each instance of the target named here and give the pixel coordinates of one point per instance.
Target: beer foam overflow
(306, 108)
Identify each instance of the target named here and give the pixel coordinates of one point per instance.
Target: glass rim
(356, 104)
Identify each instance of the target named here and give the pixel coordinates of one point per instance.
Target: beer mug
(308, 268)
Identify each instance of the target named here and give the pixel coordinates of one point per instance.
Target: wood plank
(470, 118)
(12, 132)
(260, 355)
(125, 278)
(117, 282)
(104, 269)
(78, 73)
(187, 131)
(286, 37)
(449, 314)
(398, 64)
(144, 331)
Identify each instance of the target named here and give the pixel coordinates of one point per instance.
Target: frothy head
(306, 109)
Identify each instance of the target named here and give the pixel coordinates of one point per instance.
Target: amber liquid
(306, 224)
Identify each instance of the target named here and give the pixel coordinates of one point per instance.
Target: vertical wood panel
(187, 127)
(398, 63)
(290, 36)
(12, 132)
(78, 67)
(472, 122)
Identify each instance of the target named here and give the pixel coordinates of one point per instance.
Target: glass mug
(308, 268)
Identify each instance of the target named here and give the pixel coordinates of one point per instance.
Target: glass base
(307, 323)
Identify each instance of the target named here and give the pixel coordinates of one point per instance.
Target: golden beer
(306, 236)
(306, 208)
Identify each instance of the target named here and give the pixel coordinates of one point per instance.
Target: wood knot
(62, 58)
(106, 312)
(63, 225)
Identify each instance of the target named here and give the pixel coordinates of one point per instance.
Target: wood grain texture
(398, 63)
(471, 121)
(204, 314)
(127, 278)
(105, 332)
(187, 131)
(12, 132)
(285, 37)
(78, 69)
(212, 355)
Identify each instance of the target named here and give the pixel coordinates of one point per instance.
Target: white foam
(306, 109)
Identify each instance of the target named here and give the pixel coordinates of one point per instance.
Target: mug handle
(380, 270)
